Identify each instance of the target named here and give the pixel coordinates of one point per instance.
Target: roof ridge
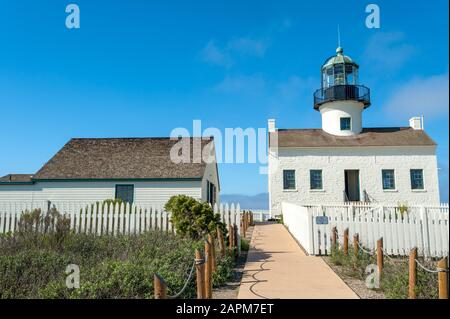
(138, 138)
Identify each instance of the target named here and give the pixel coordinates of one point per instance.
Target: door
(352, 185)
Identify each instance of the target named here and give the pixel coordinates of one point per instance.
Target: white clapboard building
(136, 170)
(345, 162)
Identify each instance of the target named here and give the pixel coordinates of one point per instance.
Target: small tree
(193, 218)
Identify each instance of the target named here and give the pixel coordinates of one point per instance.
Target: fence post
(208, 270)
(412, 273)
(334, 238)
(246, 223)
(160, 287)
(443, 279)
(355, 245)
(213, 253)
(236, 238)
(346, 241)
(200, 272)
(230, 239)
(221, 241)
(380, 256)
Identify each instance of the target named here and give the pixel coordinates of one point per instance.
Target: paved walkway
(277, 267)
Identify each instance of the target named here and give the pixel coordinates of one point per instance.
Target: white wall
(144, 192)
(332, 113)
(368, 160)
(212, 175)
(298, 220)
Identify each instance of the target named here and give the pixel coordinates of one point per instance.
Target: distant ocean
(259, 201)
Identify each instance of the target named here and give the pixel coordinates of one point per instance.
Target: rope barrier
(386, 254)
(196, 262)
(365, 250)
(437, 270)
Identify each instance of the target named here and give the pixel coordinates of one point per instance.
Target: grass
(395, 275)
(33, 265)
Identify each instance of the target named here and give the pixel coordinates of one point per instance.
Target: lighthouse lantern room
(341, 99)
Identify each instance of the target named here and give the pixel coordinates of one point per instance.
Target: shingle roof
(384, 136)
(16, 178)
(120, 158)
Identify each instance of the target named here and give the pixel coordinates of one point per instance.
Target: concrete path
(277, 267)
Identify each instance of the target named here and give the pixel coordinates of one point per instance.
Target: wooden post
(221, 241)
(380, 258)
(235, 239)
(208, 270)
(443, 279)
(355, 245)
(213, 253)
(346, 241)
(334, 237)
(247, 221)
(245, 224)
(160, 287)
(230, 239)
(200, 272)
(412, 273)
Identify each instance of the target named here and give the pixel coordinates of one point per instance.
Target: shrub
(114, 201)
(245, 245)
(193, 218)
(224, 271)
(33, 223)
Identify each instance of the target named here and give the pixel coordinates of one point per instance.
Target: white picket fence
(116, 219)
(424, 227)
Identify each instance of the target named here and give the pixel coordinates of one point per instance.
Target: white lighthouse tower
(341, 99)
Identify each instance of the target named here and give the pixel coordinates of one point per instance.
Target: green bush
(245, 245)
(224, 271)
(113, 201)
(193, 218)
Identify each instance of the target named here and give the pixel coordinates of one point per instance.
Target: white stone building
(344, 162)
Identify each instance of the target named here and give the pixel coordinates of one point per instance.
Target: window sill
(390, 190)
(317, 191)
(290, 190)
(418, 190)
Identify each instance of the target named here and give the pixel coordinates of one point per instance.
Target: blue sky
(143, 68)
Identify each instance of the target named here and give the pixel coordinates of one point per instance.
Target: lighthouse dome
(339, 58)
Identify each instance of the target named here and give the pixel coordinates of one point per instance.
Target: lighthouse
(342, 161)
(341, 99)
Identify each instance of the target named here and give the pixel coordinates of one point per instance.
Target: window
(339, 74)
(125, 193)
(315, 178)
(388, 179)
(211, 193)
(346, 124)
(416, 178)
(288, 179)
